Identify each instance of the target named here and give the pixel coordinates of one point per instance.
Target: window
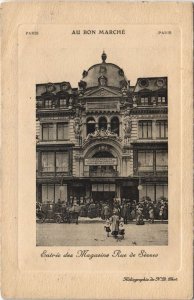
(48, 104)
(145, 160)
(62, 131)
(52, 193)
(47, 193)
(162, 129)
(48, 132)
(161, 160)
(161, 191)
(147, 191)
(144, 101)
(62, 162)
(115, 125)
(145, 129)
(91, 125)
(48, 162)
(155, 192)
(102, 123)
(63, 102)
(161, 100)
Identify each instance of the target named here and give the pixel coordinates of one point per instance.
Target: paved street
(93, 234)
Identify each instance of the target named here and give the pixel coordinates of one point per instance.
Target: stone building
(104, 139)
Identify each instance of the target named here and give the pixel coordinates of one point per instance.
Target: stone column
(154, 133)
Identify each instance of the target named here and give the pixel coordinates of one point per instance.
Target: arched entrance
(102, 162)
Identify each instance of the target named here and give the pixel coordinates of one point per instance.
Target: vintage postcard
(97, 158)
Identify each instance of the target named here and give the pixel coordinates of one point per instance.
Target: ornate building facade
(105, 139)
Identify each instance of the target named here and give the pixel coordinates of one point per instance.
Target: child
(107, 227)
(121, 228)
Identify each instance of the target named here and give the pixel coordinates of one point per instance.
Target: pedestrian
(161, 213)
(75, 210)
(107, 227)
(121, 228)
(115, 224)
(106, 211)
(139, 217)
(125, 211)
(151, 213)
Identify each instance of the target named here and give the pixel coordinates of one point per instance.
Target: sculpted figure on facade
(127, 126)
(77, 127)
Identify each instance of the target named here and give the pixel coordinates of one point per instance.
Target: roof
(111, 74)
(150, 84)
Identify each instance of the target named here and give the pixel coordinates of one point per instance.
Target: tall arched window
(102, 123)
(115, 125)
(91, 125)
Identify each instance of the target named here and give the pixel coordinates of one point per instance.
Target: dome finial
(104, 57)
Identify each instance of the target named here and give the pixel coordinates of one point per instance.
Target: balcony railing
(101, 174)
(53, 174)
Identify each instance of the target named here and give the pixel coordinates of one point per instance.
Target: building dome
(104, 74)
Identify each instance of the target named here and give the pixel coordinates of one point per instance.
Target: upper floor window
(55, 162)
(145, 160)
(102, 123)
(162, 129)
(48, 132)
(48, 161)
(62, 131)
(161, 100)
(91, 125)
(62, 162)
(145, 129)
(48, 103)
(63, 102)
(115, 125)
(144, 101)
(161, 160)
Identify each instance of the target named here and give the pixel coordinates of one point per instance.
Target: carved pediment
(103, 92)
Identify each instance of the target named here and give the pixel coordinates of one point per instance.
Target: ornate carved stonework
(77, 127)
(127, 126)
(102, 134)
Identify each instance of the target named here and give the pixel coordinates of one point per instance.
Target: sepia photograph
(97, 158)
(102, 158)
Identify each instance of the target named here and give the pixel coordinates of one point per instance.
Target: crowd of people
(128, 210)
(145, 209)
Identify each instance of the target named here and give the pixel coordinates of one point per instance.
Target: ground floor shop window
(53, 192)
(154, 192)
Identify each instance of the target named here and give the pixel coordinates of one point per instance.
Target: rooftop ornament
(104, 57)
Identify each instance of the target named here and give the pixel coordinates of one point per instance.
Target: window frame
(65, 124)
(159, 124)
(44, 126)
(141, 125)
(50, 103)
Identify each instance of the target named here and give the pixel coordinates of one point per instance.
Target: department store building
(104, 139)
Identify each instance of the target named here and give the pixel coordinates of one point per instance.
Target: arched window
(102, 123)
(91, 125)
(115, 125)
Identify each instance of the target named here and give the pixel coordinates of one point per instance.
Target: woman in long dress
(115, 224)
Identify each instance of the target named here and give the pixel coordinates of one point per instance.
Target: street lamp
(61, 187)
(140, 187)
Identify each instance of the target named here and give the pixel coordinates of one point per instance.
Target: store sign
(101, 161)
(105, 106)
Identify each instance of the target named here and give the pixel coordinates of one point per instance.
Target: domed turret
(104, 74)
